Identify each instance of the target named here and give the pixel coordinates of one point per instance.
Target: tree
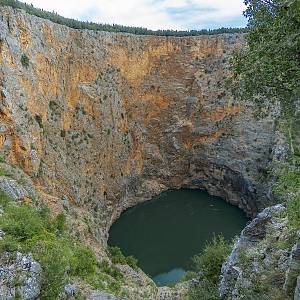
(54, 17)
(269, 67)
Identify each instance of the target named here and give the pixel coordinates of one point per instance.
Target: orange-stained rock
(108, 120)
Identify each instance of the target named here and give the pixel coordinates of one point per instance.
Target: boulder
(20, 275)
(12, 188)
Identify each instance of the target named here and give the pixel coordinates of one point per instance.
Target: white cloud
(153, 14)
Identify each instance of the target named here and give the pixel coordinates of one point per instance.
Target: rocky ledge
(264, 260)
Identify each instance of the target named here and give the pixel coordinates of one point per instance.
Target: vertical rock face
(106, 120)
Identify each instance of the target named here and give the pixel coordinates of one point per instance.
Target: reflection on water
(170, 277)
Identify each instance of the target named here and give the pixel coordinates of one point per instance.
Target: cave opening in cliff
(166, 232)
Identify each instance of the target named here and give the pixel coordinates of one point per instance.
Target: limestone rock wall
(104, 121)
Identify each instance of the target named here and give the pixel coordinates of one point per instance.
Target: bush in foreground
(209, 263)
(30, 230)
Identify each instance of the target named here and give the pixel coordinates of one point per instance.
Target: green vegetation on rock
(208, 264)
(268, 68)
(39, 120)
(210, 261)
(30, 230)
(25, 60)
(117, 257)
(62, 258)
(288, 188)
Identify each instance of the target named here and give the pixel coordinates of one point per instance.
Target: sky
(152, 14)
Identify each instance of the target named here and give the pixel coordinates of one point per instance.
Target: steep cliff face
(103, 121)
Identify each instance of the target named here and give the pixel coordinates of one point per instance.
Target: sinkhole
(166, 232)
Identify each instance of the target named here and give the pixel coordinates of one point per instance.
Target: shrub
(4, 200)
(287, 187)
(189, 275)
(85, 261)
(115, 287)
(132, 262)
(117, 257)
(55, 257)
(25, 60)
(60, 222)
(110, 270)
(21, 223)
(288, 181)
(106, 277)
(210, 261)
(39, 120)
(8, 244)
(4, 172)
(63, 133)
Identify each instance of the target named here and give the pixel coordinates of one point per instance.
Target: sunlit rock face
(103, 121)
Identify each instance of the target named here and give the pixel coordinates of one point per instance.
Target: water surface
(164, 233)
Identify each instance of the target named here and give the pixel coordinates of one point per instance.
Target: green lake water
(166, 232)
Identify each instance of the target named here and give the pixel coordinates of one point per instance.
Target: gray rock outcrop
(264, 260)
(233, 275)
(20, 276)
(12, 188)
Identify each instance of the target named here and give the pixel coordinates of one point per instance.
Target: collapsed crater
(104, 121)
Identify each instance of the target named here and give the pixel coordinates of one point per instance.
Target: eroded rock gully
(102, 121)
